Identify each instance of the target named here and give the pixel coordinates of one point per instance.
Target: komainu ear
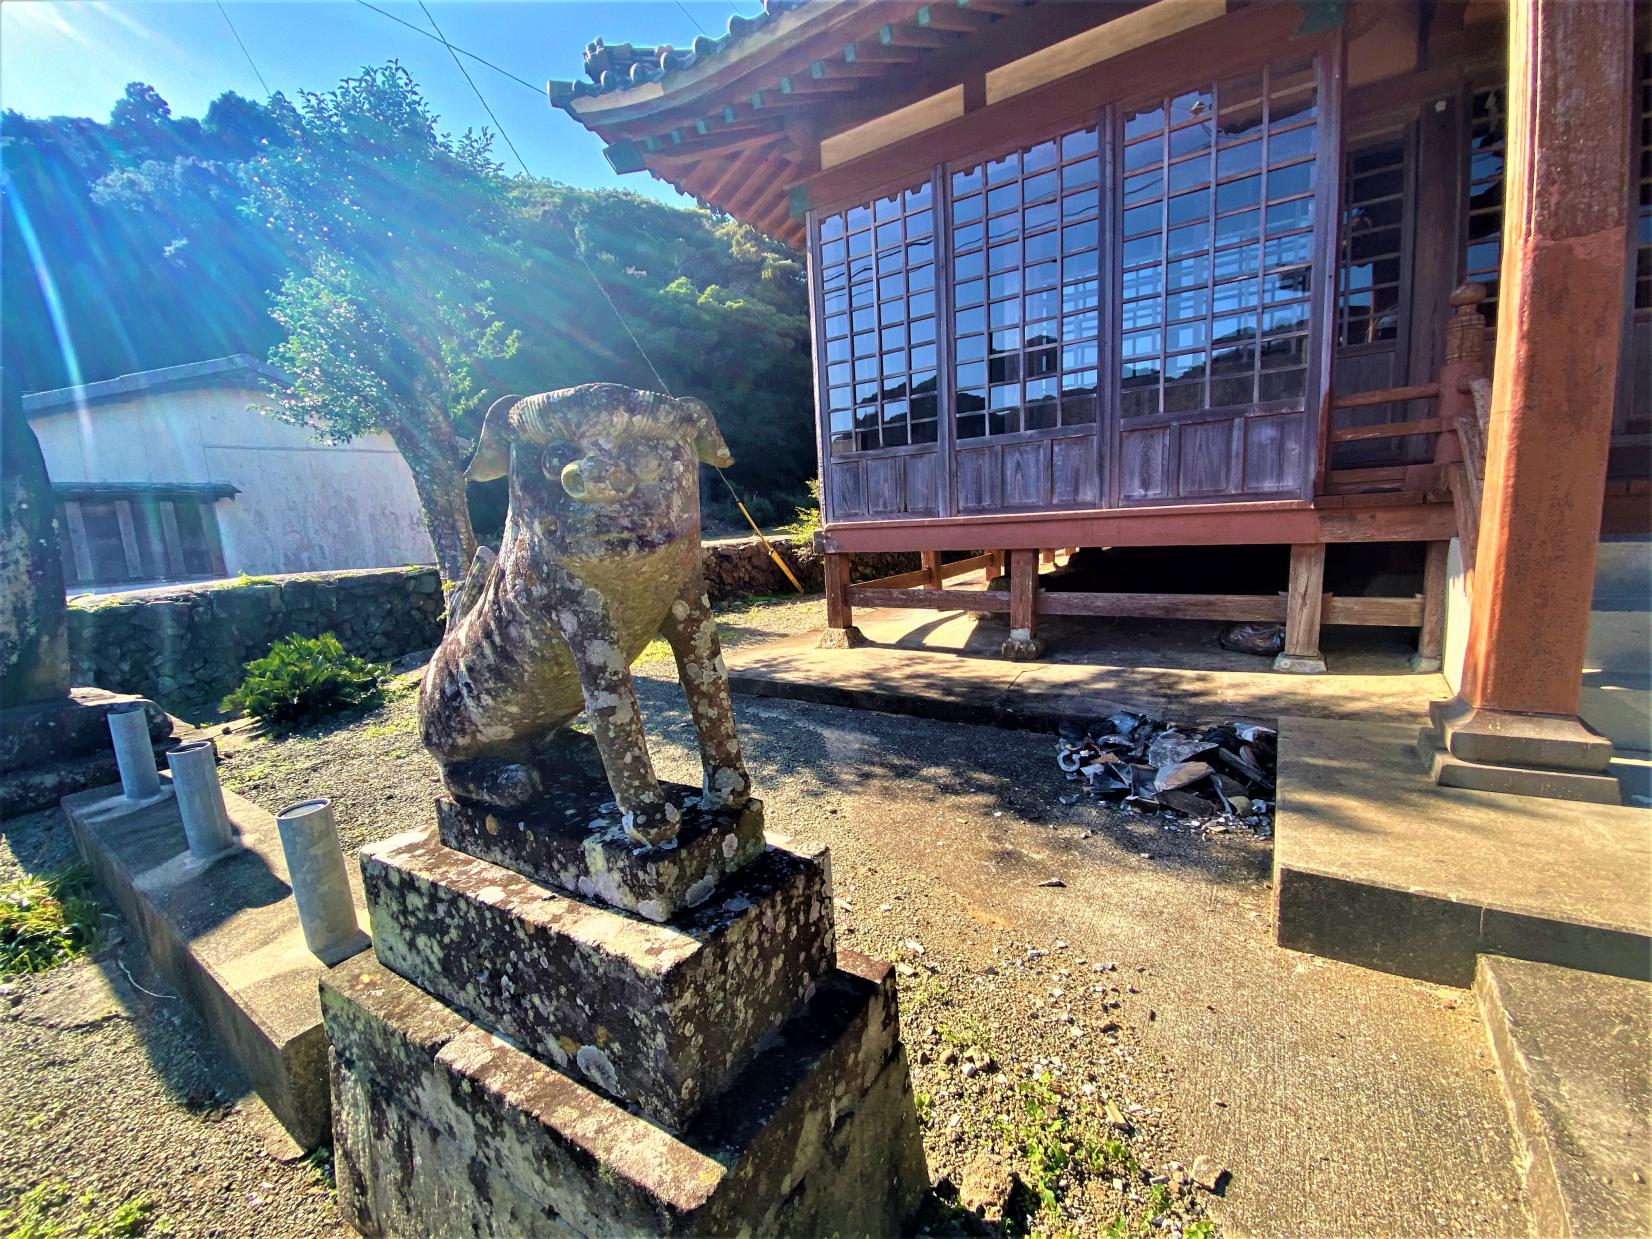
(493, 450)
(708, 440)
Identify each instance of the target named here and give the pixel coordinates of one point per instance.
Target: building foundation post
(841, 633)
(1514, 725)
(1431, 635)
(1304, 600)
(1023, 644)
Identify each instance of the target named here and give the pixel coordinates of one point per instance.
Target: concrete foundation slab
(661, 1016)
(226, 935)
(447, 1130)
(947, 665)
(1376, 865)
(1572, 1049)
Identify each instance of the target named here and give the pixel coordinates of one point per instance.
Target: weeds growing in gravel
(46, 921)
(50, 1211)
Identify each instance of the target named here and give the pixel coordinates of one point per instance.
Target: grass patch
(50, 1211)
(46, 921)
(404, 725)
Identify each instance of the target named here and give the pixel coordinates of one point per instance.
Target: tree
(392, 230)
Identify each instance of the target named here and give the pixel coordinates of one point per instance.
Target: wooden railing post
(1462, 455)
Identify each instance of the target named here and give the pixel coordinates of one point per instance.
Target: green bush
(804, 525)
(305, 678)
(46, 921)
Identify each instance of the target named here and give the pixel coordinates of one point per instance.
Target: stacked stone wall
(186, 647)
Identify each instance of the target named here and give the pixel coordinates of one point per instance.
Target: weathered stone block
(573, 839)
(659, 1016)
(443, 1130)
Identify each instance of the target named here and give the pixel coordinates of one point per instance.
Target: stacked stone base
(518, 1059)
(443, 1129)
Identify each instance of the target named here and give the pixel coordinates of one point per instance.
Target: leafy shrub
(804, 525)
(46, 921)
(306, 678)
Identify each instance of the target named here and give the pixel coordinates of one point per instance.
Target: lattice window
(877, 265)
(1488, 142)
(1026, 238)
(1372, 244)
(1217, 226)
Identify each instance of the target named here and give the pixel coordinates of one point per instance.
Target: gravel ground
(1031, 1054)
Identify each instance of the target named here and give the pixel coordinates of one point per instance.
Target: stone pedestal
(59, 747)
(608, 1039)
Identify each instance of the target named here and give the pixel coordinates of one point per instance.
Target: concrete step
(1572, 1049)
(1623, 570)
(1619, 706)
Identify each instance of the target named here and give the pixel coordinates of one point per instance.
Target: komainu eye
(556, 455)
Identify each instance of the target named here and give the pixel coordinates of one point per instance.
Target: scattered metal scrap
(1214, 776)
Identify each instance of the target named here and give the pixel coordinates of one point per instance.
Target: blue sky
(74, 57)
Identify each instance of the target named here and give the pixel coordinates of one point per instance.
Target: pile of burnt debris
(1215, 776)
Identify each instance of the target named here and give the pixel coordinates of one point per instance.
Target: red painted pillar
(1565, 216)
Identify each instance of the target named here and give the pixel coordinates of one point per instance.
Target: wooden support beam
(931, 571)
(1388, 395)
(1023, 644)
(1265, 608)
(930, 599)
(1388, 430)
(1431, 628)
(841, 632)
(1303, 602)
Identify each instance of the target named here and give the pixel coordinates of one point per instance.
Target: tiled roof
(617, 66)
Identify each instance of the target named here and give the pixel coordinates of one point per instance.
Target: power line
(458, 51)
(692, 18)
(264, 85)
(573, 244)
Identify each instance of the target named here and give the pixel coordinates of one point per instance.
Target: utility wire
(601, 288)
(264, 85)
(457, 51)
(692, 18)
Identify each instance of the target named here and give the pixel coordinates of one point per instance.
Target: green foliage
(806, 523)
(46, 921)
(306, 678)
(49, 1211)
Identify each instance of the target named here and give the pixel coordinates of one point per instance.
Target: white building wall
(303, 505)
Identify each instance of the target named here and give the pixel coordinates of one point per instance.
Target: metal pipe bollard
(200, 799)
(321, 886)
(129, 727)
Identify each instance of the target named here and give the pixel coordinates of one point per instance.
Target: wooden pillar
(1559, 329)
(840, 633)
(1023, 644)
(1431, 636)
(932, 569)
(1304, 600)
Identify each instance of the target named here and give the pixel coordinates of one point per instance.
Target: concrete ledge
(226, 935)
(1375, 865)
(1572, 1049)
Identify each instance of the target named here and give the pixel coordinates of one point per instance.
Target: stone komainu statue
(601, 553)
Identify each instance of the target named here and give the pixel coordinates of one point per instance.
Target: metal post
(321, 885)
(200, 799)
(129, 727)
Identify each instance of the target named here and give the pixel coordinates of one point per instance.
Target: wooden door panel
(1207, 458)
(848, 489)
(979, 488)
(1144, 463)
(1073, 479)
(1273, 454)
(1027, 474)
(885, 493)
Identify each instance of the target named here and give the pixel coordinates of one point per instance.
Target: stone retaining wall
(741, 567)
(185, 647)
